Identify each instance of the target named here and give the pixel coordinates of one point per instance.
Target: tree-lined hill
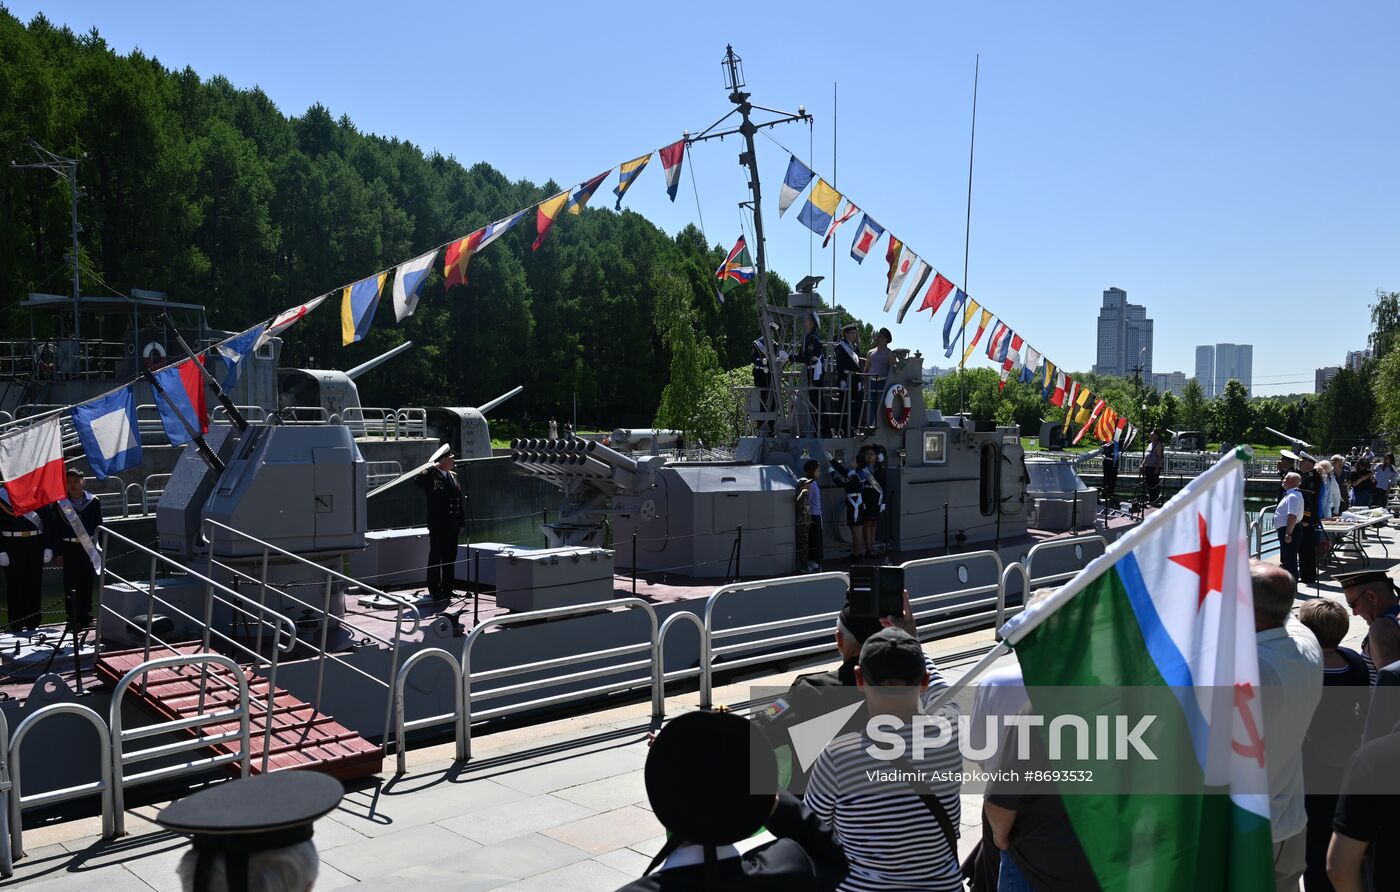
(213, 195)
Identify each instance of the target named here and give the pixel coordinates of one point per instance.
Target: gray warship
(260, 617)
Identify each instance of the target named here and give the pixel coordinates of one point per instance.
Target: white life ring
(153, 354)
(897, 420)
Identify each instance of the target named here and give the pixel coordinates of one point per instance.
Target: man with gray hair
(1290, 675)
(1287, 516)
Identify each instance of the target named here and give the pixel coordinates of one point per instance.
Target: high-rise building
(1169, 382)
(1224, 362)
(1355, 359)
(1125, 337)
(1323, 377)
(1205, 370)
(1234, 362)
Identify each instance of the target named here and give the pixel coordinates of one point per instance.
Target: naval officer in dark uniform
(763, 376)
(446, 520)
(23, 555)
(79, 571)
(849, 366)
(812, 358)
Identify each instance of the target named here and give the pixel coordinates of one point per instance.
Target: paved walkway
(559, 806)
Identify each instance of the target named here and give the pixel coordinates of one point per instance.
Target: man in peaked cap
(849, 365)
(254, 834)
(1310, 487)
(710, 778)
(1370, 594)
(446, 520)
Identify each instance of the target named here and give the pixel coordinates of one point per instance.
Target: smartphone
(876, 591)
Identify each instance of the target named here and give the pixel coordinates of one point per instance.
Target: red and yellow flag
(546, 212)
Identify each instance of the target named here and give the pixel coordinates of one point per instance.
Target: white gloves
(48, 555)
(4, 559)
(782, 357)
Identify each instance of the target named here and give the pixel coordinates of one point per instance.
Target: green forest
(213, 195)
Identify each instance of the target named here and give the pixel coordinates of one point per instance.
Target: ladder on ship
(286, 730)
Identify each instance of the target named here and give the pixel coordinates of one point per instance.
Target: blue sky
(1233, 166)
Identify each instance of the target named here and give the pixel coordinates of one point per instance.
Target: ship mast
(733, 68)
(66, 169)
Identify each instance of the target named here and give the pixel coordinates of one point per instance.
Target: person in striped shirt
(895, 817)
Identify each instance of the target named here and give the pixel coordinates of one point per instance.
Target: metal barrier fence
(458, 715)
(119, 735)
(651, 664)
(1263, 540)
(101, 786)
(7, 865)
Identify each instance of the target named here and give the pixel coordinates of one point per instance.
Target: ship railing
(283, 639)
(947, 611)
(6, 793)
(650, 665)
(751, 651)
(251, 414)
(1084, 549)
(303, 415)
(934, 613)
(217, 716)
(386, 423)
(1263, 538)
(18, 802)
(794, 408)
(380, 472)
(458, 715)
(25, 414)
(407, 619)
(151, 491)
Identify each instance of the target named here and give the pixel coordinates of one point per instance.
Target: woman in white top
(1329, 499)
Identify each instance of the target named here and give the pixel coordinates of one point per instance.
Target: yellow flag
(981, 327)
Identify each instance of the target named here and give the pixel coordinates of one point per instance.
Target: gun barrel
(363, 367)
(487, 407)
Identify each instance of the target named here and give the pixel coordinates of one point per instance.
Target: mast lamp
(733, 68)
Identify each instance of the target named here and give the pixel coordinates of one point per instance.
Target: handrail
(405, 609)
(916, 601)
(407, 605)
(263, 616)
(710, 634)
(457, 716)
(1055, 545)
(1002, 610)
(148, 490)
(557, 613)
(6, 792)
(673, 620)
(280, 619)
(103, 785)
(120, 759)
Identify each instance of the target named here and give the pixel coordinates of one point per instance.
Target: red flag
(31, 462)
(458, 257)
(937, 293)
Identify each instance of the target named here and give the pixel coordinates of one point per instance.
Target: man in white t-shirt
(1286, 517)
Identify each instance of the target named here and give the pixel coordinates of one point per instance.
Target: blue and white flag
(234, 352)
(408, 281)
(107, 430)
(794, 181)
(953, 310)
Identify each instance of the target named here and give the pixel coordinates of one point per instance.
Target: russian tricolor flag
(182, 397)
(671, 158)
(31, 462)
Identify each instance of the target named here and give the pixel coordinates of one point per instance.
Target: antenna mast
(733, 68)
